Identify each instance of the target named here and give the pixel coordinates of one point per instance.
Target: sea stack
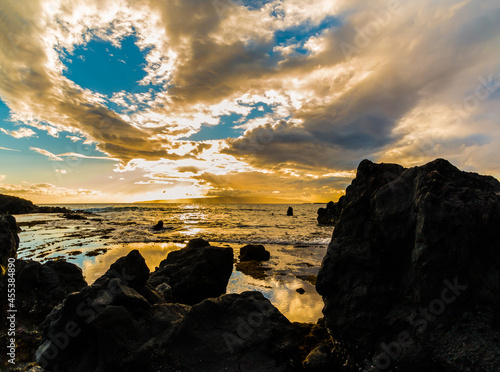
(410, 279)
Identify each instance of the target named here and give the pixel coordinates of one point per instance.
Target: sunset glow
(118, 101)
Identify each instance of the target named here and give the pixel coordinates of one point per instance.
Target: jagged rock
(158, 226)
(330, 214)
(196, 272)
(110, 326)
(413, 258)
(235, 332)
(289, 211)
(254, 253)
(106, 326)
(9, 241)
(320, 360)
(39, 288)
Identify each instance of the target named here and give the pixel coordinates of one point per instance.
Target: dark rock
(39, 288)
(300, 290)
(254, 253)
(320, 360)
(13, 205)
(413, 258)
(311, 335)
(9, 241)
(73, 216)
(235, 332)
(289, 212)
(107, 326)
(330, 214)
(196, 272)
(158, 226)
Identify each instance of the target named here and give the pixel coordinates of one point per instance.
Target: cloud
(46, 153)
(21, 133)
(48, 193)
(7, 149)
(189, 169)
(338, 81)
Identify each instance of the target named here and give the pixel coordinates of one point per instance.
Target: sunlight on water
(297, 244)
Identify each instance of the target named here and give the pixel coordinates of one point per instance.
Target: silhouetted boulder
(254, 253)
(410, 278)
(196, 272)
(9, 241)
(106, 326)
(330, 214)
(289, 211)
(110, 326)
(235, 332)
(158, 226)
(39, 288)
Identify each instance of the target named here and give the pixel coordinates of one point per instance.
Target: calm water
(297, 244)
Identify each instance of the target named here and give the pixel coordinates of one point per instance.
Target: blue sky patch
(104, 68)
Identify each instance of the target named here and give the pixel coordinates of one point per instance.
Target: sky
(125, 101)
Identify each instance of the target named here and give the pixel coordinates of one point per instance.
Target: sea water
(297, 244)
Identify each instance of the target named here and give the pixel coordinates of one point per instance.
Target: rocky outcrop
(9, 241)
(330, 214)
(411, 278)
(252, 252)
(196, 272)
(234, 332)
(158, 226)
(39, 288)
(289, 211)
(14, 205)
(111, 326)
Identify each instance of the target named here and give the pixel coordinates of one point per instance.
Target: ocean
(297, 244)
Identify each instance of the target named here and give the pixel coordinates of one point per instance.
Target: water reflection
(153, 254)
(279, 289)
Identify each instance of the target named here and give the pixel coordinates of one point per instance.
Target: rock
(254, 253)
(196, 272)
(289, 212)
(235, 332)
(320, 359)
(107, 326)
(158, 226)
(330, 214)
(413, 267)
(14, 205)
(300, 290)
(73, 216)
(39, 288)
(9, 241)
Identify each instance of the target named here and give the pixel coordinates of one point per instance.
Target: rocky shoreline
(14, 205)
(410, 282)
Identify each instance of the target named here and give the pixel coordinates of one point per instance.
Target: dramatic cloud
(234, 95)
